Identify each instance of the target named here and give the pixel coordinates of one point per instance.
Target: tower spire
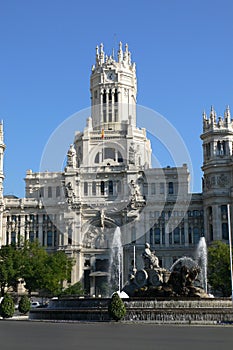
(227, 114)
(120, 52)
(101, 56)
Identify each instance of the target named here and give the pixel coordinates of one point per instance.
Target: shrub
(24, 304)
(116, 308)
(7, 307)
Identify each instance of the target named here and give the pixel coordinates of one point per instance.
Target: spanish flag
(102, 134)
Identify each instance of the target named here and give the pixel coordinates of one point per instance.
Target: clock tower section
(113, 90)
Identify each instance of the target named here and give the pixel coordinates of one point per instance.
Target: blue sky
(183, 51)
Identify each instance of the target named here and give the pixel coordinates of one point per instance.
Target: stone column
(186, 231)
(40, 228)
(217, 229)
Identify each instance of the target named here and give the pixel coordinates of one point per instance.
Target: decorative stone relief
(89, 239)
(222, 180)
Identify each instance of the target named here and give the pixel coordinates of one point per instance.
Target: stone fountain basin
(160, 310)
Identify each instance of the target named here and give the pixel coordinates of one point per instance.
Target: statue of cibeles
(151, 261)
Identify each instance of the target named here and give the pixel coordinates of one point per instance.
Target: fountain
(116, 265)
(155, 294)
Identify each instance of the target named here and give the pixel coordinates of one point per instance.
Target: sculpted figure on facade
(70, 194)
(71, 157)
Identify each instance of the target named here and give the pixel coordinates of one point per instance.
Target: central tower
(113, 90)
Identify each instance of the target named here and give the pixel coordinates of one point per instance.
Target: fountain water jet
(116, 266)
(201, 257)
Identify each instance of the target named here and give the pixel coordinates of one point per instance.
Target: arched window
(110, 97)
(223, 147)
(218, 148)
(115, 96)
(104, 97)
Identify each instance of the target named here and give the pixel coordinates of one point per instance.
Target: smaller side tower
(217, 166)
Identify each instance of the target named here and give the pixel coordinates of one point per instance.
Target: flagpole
(230, 245)
(102, 136)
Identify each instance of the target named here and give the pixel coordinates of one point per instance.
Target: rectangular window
(157, 235)
(170, 188)
(41, 192)
(31, 236)
(110, 188)
(49, 238)
(93, 188)
(49, 192)
(104, 116)
(85, 188)
(116, 115)
(119, 187)
(176, 235)
(102, 188)
(58, 191)
(225, 234)
(145, 189)
(161, 187)
(153, 191)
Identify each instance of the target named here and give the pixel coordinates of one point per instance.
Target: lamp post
(230, 244)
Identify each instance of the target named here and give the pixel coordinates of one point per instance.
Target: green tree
(58, 270)
(7, 307)
(75, 289)
(24, 304)
(9, 268)
(40, 270)
(116, 308)
(33, 265)
(219, 273)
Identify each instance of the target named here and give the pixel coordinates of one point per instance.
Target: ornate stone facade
(108, 181)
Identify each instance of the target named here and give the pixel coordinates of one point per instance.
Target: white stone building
(108, 182)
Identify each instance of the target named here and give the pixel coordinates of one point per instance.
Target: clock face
(111, 76)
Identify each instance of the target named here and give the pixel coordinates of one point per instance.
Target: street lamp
(230, 244)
